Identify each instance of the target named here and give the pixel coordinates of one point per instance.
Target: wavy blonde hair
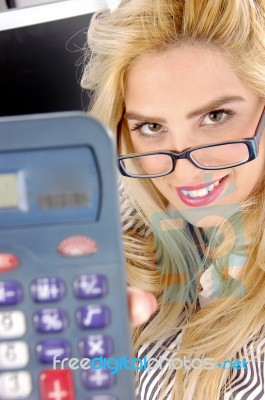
(157, 259)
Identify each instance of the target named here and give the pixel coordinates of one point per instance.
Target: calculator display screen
(49, 186)
(62, 200)
(9, 197)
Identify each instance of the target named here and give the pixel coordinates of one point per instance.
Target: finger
(141, 306)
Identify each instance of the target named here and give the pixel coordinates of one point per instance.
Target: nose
(186, 173)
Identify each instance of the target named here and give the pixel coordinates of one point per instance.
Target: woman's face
(178, 96)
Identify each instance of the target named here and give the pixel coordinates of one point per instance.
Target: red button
(8, 262)
(77, 246)
(56, 385)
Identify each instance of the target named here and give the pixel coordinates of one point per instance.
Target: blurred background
(5, 4)
(42, 54)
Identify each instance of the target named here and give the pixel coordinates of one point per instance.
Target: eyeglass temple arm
(118, 138)
(261, 126)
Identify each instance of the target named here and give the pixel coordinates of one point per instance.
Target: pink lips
(204, 200)
(197, 187)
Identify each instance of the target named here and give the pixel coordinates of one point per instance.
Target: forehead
(186, 74)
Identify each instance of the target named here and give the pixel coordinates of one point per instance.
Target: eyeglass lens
(216, 156)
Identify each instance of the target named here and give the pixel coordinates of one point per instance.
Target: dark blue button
(10, 293)
(90, 286)
(96, 345)
(93, 316)
(44, 290)
(50, 320)
(98, 378)
(50, 348)
(103, 397)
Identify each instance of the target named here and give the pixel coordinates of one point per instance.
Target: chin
(209, 217)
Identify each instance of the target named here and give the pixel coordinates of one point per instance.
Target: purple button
(103, 397)
(10, 293)
(98, 378)
(96, 345)
(90, 286)
(93, 316)
(45, 290)
(50, 320)
(48, 349)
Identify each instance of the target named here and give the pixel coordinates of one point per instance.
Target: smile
(204, 196)
(201, 192)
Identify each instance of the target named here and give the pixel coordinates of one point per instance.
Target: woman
(184, 81)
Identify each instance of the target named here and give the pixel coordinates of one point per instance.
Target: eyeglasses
(215, 156)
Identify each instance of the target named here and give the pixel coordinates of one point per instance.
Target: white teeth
(200, 192)
(193, 194)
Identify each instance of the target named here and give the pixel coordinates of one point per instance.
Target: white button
(15, 385)
(13, 355)
(12, 324)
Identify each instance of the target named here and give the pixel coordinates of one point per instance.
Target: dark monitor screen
(41, 57)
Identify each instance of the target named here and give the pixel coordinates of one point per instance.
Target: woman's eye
(217, 117)
(147, 128)
(153, 128)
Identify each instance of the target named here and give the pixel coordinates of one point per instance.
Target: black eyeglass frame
(252, 144)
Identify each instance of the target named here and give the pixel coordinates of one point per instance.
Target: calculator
(63, 298)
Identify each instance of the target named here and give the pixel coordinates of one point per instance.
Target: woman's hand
(141, 305)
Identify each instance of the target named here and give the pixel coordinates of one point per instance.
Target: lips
(197, 187)
(204, 200)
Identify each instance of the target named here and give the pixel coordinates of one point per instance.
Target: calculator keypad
(55, 383)
(90, 286)
(93, 316)
(98, 379)
(12, 324)
(47, 349)
(46, 290)
(13, 355)
(96, 345)
(15, 385)
(10, 293)
(8, 262)
(49, 320)
(102, 397)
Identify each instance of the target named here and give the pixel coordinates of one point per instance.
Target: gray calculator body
(62, 267)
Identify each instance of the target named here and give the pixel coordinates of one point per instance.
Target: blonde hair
(157, 259)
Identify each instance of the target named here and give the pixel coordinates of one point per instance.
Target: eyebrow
(214, 104)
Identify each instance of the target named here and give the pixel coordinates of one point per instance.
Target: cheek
(135, 143)
(166, 190)
(252, 175)
(261, 156)
(157, 182)
(160, 184)
(256, 173)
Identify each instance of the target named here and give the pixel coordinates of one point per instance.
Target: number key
(13, 355)
(15, 385)
(12, 324)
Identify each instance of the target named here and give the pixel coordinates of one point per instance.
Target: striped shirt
(246, 384)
